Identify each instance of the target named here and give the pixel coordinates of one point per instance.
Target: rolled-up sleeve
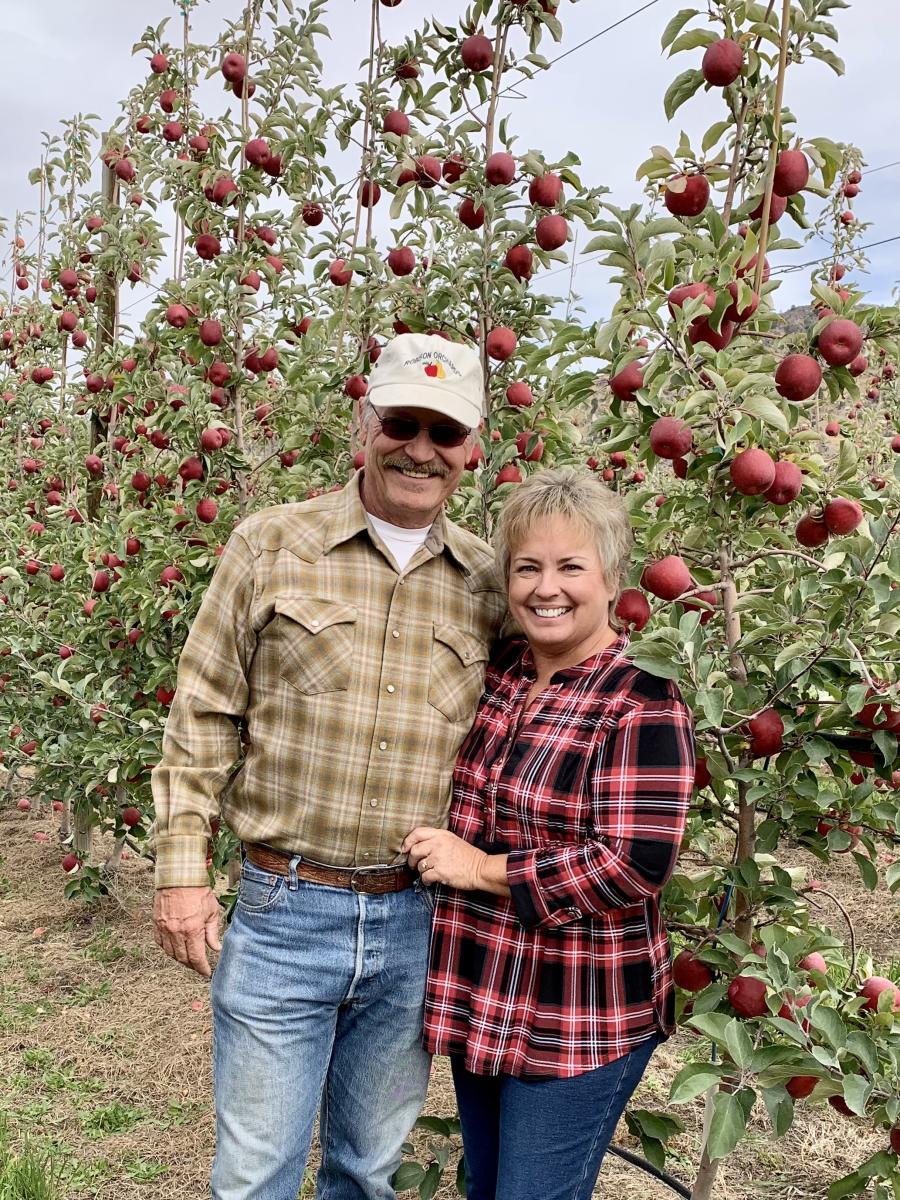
(641, 786)
(201, 740)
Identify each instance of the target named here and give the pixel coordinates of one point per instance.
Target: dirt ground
(105, 1050)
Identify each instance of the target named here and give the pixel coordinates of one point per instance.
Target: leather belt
(377, 880)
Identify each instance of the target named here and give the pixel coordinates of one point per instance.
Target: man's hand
(187, 921)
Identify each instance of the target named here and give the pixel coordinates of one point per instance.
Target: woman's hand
(441, 857)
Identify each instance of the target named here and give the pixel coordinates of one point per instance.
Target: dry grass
(105, 1049)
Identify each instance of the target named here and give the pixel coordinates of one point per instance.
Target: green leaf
(712, 1024)
(780, 1108)
(861, 1046)
(882, 1164)
(712, 702)
(790, 652)
(656, 1125)
(739, 1043)
(681, 89)
(431, 1182)
(857, 1091)
(693, 39)
(399, 200)
(408, 1175)
(766, 410)
(731, 1111)
(694, 1079)
(713, 134)
(676, 24)
(434, 1124)
(660, 667)
(828, 1022)
(867, 870)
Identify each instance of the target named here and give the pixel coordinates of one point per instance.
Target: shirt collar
(349, 518)
(596, 661)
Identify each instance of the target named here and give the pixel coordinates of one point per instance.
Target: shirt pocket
(315, 643)
(458, 665)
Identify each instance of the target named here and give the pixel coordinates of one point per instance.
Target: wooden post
(773, 149)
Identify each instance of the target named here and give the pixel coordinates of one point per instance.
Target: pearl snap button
(390, 687)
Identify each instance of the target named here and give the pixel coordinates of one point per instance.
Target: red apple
(777, 209)
(626, 382)
(234, 67)
(339, 273)
(700, 330)
(633, 608)
(396, 122)
(524, 440)
(791, 173)
(519, 395)
(748, 996)
(873, 987)
(686, 195)
(840, 342)
(801, 1086)
(752, 472)
(670, 437)
(798, 377)
(508, 474)
(766, 732)
(469, 215)
(691, 291)
(723, 61)
(551, 232)
(545, 191)
(842, 516)
(501, 343)
(813, 962)
(786, 485)
(477, 52)
(518, 260)
(689, 973)
(500, 168)
(667, 578)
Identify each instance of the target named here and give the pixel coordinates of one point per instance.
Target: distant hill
(798, 319)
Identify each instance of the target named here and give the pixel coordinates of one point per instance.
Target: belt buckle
(363, 871)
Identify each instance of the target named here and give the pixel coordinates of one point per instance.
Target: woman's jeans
(318, 993)
(538, 1138)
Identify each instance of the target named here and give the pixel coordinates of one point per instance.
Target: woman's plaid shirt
(588, 794)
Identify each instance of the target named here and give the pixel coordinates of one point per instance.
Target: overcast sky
(604, 101)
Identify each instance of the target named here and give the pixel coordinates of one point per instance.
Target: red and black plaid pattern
(588, 794)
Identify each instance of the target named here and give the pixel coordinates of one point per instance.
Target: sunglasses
(405, 429)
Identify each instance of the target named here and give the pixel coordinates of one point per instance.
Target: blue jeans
(317, 995)
(539, 1138)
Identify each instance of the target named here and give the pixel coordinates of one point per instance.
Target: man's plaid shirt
(322, 695)
(588, 793)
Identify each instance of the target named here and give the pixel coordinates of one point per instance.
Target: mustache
(404, 462)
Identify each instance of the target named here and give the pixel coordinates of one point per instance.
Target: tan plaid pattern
(322, 696)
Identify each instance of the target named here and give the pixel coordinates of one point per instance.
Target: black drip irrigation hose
(636, 1161)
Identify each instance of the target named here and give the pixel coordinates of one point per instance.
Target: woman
(550, 972)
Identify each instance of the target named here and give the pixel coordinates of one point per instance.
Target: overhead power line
(825, 258)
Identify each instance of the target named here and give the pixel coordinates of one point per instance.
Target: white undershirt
(402, 543)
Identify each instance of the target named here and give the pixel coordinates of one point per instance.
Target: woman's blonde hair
(576, 496)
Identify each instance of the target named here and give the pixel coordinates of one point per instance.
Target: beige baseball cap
(420, 370)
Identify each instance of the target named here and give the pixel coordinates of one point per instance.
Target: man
(349, 635)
